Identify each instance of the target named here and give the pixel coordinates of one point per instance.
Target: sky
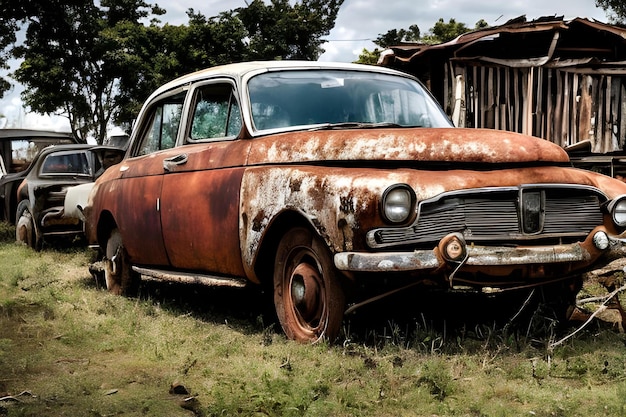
(358, 23)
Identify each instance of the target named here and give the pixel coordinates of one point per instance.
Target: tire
(25, 227)
(308, 296)
(119, 277)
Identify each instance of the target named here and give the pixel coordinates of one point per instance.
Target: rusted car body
(40, 213)
(315, 178)
(18, 149)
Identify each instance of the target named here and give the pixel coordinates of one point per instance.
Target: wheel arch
(106, 224)
(264, 261)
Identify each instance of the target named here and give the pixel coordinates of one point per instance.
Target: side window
(162, 126)
(66, 163)
(215, 113)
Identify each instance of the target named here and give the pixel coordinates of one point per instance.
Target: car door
(138, 191)
(200, 193)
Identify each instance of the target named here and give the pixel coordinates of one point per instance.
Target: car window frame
(256, 131)
(90, 162)
(146, 117)
(190, 108)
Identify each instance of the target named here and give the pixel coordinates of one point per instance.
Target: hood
(458, 145)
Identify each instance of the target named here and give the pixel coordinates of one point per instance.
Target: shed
(561, 80)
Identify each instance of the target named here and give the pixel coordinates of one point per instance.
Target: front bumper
(579, 254)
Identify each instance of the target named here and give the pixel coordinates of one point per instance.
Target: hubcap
(305, 292)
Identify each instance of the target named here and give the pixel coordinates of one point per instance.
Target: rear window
(67, 163)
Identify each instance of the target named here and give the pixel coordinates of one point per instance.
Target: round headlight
(618, 211)
(398, 202)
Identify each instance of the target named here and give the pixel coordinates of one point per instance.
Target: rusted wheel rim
(24, 228)
(306, 297)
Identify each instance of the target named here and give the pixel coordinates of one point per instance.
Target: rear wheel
(25, 227)
(308, 296)
(118, 274)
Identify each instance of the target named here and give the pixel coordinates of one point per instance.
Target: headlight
(397, 204)
(617, 208)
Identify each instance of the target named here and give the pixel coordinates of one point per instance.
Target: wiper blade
(357, 125)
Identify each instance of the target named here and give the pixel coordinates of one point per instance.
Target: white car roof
(240, 70)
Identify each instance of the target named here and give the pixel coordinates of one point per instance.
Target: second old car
(40, 215)
(333, 184)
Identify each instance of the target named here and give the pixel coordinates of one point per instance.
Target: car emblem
(532, 211)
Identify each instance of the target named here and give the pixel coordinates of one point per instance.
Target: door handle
(170, 163)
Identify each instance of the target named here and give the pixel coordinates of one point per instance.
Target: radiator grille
(496, 215)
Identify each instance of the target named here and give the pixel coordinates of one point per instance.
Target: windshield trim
(432, 109)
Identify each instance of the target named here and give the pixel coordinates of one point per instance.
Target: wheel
(308, 296)
(118, 275)
(25, 228)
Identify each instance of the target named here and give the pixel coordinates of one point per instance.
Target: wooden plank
(622, 119)
(607, 131)
(526, 81)
(490, 107)
(538, 96)
(596, 111)
(481, 92)
(558, 108)
(507, 92)
(566, 111)
(515, 99)
(575, 100)
(614, 118)
(496, 101)
(476, 98)
(549, 106)
(585, 104)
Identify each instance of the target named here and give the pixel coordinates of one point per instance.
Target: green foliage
(279, 30)
(96, 63)
(616, 10)
(65, 60)
(440, 33)
(443, 32)
(397, 36)
(369, 57)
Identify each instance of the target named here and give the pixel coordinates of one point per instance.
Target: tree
(369, 57)
(615, 9)
(397, 36)
(67, 67)
(443, 32)
(279, 30)
(440, 33)
(260, 31)
(95, 63)
(7, 38)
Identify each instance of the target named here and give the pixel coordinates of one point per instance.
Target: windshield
(289, 99)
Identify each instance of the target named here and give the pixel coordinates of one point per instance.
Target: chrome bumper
(585, 253)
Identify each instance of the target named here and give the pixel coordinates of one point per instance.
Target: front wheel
(118, 274)
(308, 296)
(25, 228)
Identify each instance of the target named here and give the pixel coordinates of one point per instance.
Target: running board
(189, 278)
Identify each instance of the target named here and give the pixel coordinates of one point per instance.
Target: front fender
(339, 206)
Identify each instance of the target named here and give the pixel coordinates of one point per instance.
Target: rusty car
(332, 185)
(40, 213)
(18, 149)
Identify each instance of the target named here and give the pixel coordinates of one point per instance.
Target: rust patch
(257, 222)
(346, 204)
(421, 144)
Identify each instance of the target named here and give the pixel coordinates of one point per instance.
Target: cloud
(359, 22)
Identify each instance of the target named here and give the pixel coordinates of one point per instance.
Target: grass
(68, 348)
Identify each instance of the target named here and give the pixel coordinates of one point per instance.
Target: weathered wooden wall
(562, 106)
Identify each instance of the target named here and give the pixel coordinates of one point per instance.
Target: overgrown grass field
(68, 348)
